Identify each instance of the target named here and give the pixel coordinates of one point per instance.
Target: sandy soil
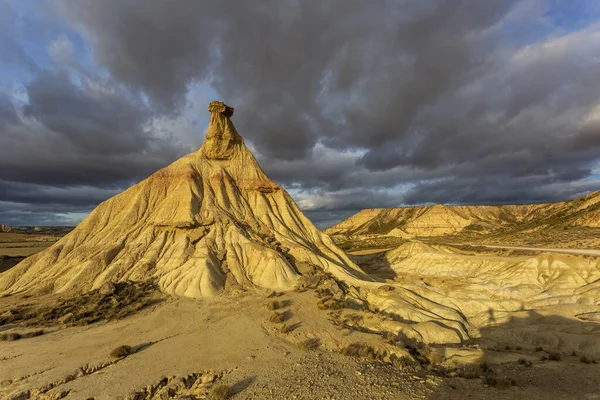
(231, 340)
(182, 336)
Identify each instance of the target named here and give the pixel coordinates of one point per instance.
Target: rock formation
(497, 223)
(209, 221)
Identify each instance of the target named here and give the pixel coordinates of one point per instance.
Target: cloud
(87, 133)
(350, 104)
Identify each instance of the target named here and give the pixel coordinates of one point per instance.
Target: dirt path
(580, 252)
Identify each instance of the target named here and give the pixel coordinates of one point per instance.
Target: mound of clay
(567, 221)
(210, 220)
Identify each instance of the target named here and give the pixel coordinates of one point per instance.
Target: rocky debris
(193, 386)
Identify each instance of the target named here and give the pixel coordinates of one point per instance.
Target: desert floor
(230, 340)
(14, 247)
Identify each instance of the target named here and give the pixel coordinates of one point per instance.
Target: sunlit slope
(474, 221)
(209, 220)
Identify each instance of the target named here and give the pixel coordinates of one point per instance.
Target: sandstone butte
(441, 220)
(212, 222)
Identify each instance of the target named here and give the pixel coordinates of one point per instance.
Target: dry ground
(230, 340)
(14, 247)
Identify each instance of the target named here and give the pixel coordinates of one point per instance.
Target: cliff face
(441, 220)
(210, 220)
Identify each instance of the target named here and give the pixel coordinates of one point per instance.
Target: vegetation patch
(111, 302)
(274, 305)
(330, 304)
(525, 362)
(220, 392)
(277, 318)
(121, 352)
(8, 337)
(309, 344)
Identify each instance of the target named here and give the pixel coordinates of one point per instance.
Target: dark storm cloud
(72, 198)
(72, 146)
(352, 104)
(91, 133)
(284, 63)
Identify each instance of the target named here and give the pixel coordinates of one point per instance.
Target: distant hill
(39, 230)
(568, 221)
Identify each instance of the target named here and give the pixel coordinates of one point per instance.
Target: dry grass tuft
(554, 357)
(525, 362)
(121, 352)
(470, 371)
(330, 304)
(277, 318)
(220, 392)
(274, 305)
(9, 337)
(587, 360)
(309, 344)
(124, 299)
(499, 383)
(363, 350)
(551, 357)
(17, 336)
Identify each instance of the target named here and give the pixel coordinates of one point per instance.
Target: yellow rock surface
(210, 214)
(440, 220)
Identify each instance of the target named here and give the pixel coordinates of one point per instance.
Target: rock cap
(221, 108)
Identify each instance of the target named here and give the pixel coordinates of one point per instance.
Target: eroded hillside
(573, 223)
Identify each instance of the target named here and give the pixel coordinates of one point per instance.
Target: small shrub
(554, 357)
(9, 337)
(31, 334)
(220, 392)
(330, 304)
(323, 292)
(435, 358)
(585, 360)
(277, 317)
(500, 383)
(274, 305)
(391, 338)
(353, 318)
(361, 350)
(525, 362)
(470, 371)
(121, 352)
(485, 367)
(309, 344)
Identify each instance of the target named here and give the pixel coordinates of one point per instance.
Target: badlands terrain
(205, 281)
(17, 243)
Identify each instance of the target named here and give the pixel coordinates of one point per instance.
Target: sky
(348, 104)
